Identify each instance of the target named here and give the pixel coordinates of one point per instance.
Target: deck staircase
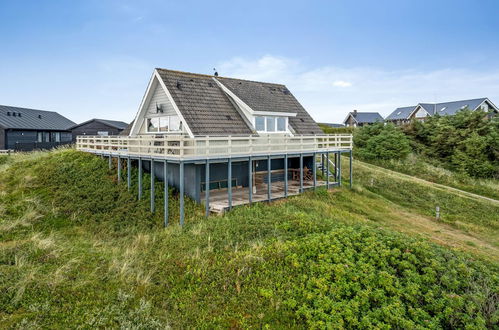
(331, 166)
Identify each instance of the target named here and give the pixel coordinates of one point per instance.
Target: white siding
(421, 113)
(158, 97)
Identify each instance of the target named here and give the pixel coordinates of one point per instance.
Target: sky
(94, 58)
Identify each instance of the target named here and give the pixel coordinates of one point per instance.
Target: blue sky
(94, 58)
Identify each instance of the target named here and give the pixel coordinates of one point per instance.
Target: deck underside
(240, 195)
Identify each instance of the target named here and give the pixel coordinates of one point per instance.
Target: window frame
(275, 120)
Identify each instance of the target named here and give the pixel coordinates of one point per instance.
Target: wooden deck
(240, 195)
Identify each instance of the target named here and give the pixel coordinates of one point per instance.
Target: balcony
(182, 147)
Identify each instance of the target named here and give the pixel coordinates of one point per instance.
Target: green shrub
(381, 142)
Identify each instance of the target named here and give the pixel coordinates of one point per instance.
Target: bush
(382, 142)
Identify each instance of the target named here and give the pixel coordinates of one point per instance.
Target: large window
(270, 124)
(164, 124)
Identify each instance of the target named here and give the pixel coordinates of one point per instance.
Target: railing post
(301, 173)
(181, 193)
(327, 169)
(110, 161)
(152, 186)
(140, 178)
(229, 182)
(129, 173)
(314, 167)
(166, 195)
(286, 175)
(250, 180)
(119, 168)
(207, 188)
(351, 166)
(269, 178)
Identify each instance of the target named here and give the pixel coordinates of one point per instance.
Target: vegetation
(465, 143)
(78, 250)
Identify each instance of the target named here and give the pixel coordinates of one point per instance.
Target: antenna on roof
(216, 72)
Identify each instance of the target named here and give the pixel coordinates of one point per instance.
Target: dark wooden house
(24, 129)
(102, 127)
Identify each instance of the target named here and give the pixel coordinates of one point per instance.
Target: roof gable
(401, 113)
(366, 117)
(207, 110)
(33, 119)
(112, 123)
(269, 97)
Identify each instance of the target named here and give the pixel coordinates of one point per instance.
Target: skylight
(398, 113)
(443, 108)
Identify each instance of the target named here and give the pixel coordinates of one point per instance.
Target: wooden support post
(182, 179)
(250, 180)
(229, 182)
(269, 178)
(140, 178)
(129, 172)
(339, 168)
(335, 167)
(314, 170)
(152, 187)
(110, 162)
(119, 169)
(327, 170)
(322, 164)
(165, 182)
(207, 188)
(286, 175)
(351, 167)
(301, 173)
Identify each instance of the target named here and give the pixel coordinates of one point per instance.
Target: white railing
(184, 147)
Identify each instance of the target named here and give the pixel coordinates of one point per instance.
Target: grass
(79, 250)
(417, 166)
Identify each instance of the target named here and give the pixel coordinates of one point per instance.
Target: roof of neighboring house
(127, 129)
(23, 118)
(445, 108)
(365, 117)
(207, 109)
(333, 125)
(113, 123)
(401, 113)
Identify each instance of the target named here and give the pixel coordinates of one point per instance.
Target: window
(281, 124)
(270, 124)
(103, 133)
(39, 137)
(260, 124)
(164, 124)
(47, 136)
(56, 137)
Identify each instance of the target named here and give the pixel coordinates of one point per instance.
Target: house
(332, 125)
(358, 119)
(223, 141)
(96, 126)
(424, 110)
(25, 129)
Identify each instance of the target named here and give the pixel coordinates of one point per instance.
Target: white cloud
(323, 90)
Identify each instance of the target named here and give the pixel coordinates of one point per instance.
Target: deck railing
(199, 147)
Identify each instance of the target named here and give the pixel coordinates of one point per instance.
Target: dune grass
(78, 250)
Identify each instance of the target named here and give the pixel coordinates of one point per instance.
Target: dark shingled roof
(207, 109)
(204, 106)
(401, 113)
(127, 129)
(261, 96)
(33, 119)
(367, 117)
(113, 123)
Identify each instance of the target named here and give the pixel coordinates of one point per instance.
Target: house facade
(422, 111)
(359, 119)
(103, 127)
(224, 141)
(23, 129)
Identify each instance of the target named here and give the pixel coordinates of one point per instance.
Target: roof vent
(302, 120)
(228, 117)
(8, 113)
(286, 91)
(19, 114)
(210, 84)
(216, 72)
(13, 114)
(40, 116)
(179, 85)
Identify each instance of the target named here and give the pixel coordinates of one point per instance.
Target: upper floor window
(164, 124)
(270, 124)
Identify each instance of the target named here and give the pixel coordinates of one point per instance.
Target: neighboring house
(223, 141)
(357, 119)
(27, 129)
(101, 127)
(424, 110)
